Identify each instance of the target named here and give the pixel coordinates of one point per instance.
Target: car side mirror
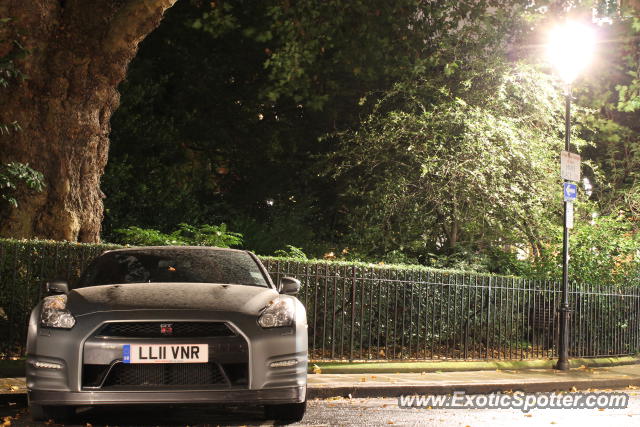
(289, 286)
(57, 287)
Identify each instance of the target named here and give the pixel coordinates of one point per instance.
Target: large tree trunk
(78, 54)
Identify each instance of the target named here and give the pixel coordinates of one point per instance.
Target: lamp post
(570, 50)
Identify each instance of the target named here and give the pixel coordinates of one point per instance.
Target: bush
(205, 235)
(291, 252)
(603, 251)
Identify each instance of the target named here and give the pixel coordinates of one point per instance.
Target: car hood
(170, 296)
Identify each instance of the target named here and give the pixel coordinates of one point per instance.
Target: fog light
(47, 365)
(283, 363)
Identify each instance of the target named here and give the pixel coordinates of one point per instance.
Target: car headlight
(278, 314)
(55, 314)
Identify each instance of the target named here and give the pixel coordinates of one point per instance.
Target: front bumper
(73, 349)
(264, 396)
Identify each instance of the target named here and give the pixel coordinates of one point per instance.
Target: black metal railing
(370, 312)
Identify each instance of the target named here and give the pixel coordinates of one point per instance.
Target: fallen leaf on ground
(574, 389)
(528, 415)
(363, 379)
(316, 369)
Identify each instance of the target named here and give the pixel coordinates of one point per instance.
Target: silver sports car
(169, 325)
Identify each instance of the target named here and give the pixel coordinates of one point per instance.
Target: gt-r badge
(166, 328)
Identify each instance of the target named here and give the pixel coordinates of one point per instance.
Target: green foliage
(608, 120)
(629, 90)
(277, 226)
(603, 251)
(225, 103)
(291, 252)
(195, 139)
(13, 175)
(439, 146)
(205, 235)
(10, 72)
(444, 172)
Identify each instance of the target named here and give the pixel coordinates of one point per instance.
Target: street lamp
(570, 50)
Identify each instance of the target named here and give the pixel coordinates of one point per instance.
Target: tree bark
(78, 53)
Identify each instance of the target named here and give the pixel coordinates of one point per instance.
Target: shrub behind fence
(365, 312)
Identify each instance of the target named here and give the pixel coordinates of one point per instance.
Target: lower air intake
(175, 374)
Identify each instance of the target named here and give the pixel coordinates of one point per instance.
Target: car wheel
(59, 414)
(286, 413)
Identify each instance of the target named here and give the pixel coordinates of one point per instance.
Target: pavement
(472, 382)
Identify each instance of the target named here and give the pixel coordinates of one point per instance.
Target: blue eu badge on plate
(126, 353)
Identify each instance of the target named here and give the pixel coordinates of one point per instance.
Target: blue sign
(126, 353)
(570, 191)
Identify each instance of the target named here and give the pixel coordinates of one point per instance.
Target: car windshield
(191, 265)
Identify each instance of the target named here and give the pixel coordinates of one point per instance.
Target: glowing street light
(570, 50)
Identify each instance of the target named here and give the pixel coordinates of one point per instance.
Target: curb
(395, 390)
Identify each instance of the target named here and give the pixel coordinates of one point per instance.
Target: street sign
(568, 212)
(570, 166)
(570, 191)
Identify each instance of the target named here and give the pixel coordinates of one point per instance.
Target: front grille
(174, 374)
(174, 330)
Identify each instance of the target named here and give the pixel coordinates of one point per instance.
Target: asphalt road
(337, 412)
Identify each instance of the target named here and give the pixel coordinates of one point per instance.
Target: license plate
(165, 353)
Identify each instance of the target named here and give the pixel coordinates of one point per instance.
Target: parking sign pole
(563, 345)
